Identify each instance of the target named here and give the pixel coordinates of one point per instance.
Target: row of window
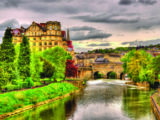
(40, 44)
(50, 28)
(44, 38)
(39, 33)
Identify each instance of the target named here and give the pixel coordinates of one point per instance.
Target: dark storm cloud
(102, 44)
(145, 2)
(86, 33)
(9, 23)
(142, 43)
(126, 2)
(83, 28)
(113, 19)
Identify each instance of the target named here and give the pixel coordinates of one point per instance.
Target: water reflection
(104, 100)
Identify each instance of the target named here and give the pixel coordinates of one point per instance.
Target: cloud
(147, 2)
(142, 43)
(126, 2)
(110, 18)
(13, 23)
(102, 44)
(144, 2)
(86, 33)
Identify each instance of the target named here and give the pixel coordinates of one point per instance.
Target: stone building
(42, 36)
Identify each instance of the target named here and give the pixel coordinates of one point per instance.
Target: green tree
(126, 59)
(7, 54)
(36, 66)
(48, 69)
(24, 59)
(3, 78)
(139, 67)
(57, 56)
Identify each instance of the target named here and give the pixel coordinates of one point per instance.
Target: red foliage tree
(71, 69)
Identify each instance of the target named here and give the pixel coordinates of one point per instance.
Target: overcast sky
(92, 23)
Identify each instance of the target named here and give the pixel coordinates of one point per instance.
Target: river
(100, 100)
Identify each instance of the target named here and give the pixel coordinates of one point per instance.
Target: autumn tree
(71, 69)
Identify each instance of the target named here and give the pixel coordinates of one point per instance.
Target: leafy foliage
(3, 78)
(48, 69)
(57, 56)
(138, 65)
(36, 66)
(71, 69)
(7, 54)
(24, 58)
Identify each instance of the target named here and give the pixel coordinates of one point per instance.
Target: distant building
(42, 36)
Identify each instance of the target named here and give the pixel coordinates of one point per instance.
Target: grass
(14, 100)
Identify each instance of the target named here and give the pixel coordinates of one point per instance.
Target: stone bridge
(105, 69)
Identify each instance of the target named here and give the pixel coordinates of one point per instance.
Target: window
(34, 38)
(55, 43)
(50, 33)
(40, 44)
(50, 43)
(34, 44)
(50, 27)
(40, 38)
(55, 38)
(45, 43)
(55, 27)
(56, 33)
(35, 33)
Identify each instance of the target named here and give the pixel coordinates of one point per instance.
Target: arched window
(55, 43)
(40, 44)
(45, 43)
(50, 43)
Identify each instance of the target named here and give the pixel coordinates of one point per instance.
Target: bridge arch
(96, 75)
(111, 75)
(122, 76)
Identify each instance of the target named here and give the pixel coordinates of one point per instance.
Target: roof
(101, 60)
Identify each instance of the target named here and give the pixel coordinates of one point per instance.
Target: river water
(100, 100)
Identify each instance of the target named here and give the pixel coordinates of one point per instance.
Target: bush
(37, 84)
(30, 82)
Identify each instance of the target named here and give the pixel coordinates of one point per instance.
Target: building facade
(42, 36)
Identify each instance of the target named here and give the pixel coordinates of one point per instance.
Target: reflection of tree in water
(57, 110)
(136, 103)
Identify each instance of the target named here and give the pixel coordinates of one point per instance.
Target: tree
(48, 69)
(57, 56)
(125, 59)
(24, 59)
(36, 66)
(3, 78)
(7, 54)
(139, 67)
(71, 69)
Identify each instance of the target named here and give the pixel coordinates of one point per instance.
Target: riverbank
(15, 102)
(139, 84)
(155, 104)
